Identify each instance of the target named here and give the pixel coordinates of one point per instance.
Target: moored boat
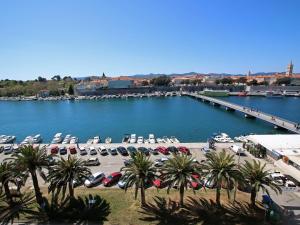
(108, 140)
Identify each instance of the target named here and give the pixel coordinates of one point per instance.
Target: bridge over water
(249, 112)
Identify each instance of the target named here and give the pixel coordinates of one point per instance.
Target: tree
(226, 80)
(257, 177)
(161, 81)
(252, 82)
(145, 83)
(241, 80)
(56, 77)
(220, 169)
(65, 172)
(178, 171)
(41, 79)
(31, 160)
(71, 90)
(284, 80)
(5, 175)
(139, 173)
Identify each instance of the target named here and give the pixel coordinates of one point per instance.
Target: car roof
(97, 173)
(115, 173)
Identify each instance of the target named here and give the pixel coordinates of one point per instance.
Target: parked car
(172, 149)
(93, 151)
(122, 151)
(62, 150)
(16, 149)
(163, 150)
(144, 150)
(121, 183)
(153, 151)
(127, 162)
(205, 150)
(160, 162)
(54, 149)
(184, 150)
(103, 151)
(8, 150)
(112, 179)
(82, 151)
(131, 150)
(51, 160)
(289, 177)
(1, 149)
(277, 178)
(113, 151)
(94, 179)
(92, 162)
(195, 181)
(72, 150)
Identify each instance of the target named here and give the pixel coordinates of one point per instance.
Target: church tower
(289, 70)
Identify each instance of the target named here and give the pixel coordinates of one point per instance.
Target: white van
(237, 149)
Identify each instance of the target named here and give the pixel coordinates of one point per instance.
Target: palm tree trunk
(38, 194)
(143, 198)
(218, 195)
(71, 189)
(253, 197)
(7, 192)
(181, 193)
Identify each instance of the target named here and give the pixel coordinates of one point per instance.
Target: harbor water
(186, 118)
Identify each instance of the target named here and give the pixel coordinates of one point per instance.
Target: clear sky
(124, 37)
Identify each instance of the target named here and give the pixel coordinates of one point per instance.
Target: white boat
(27, 140)
(241, 138)
(223, 138)
(166, 139)
(151, 139)
(57, 138)
(140, 140)
(67, 139)
(132, 138)
(96, 140)
(6, 139)
(159, 140)
(73, 140)
(37, 139)
(108, 140)
(174, 139)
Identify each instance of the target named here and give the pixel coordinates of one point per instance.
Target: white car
(94, 179)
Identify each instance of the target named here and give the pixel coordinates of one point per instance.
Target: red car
(195, 183)
(159, 183)
(111, 179)
(72, 150)
(54, 149)
(163, 150)
(184, 150)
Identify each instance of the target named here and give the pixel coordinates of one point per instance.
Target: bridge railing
(246, 108)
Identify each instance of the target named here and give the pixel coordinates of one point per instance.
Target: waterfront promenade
(249, 112)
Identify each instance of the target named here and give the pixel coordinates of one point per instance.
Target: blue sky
(79, 38)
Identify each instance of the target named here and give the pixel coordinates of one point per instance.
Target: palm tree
(31, 160)
(178, 171)
(220, 169)
(139, 173)
(257, 177)
(65, 172)
(5, 176)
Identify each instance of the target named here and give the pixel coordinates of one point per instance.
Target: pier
(249, 112)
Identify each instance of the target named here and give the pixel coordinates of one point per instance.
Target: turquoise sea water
(183, 117)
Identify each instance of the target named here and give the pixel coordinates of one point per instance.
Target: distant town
(284, 82)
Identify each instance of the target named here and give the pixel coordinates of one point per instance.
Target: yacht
(67, 139)
(37, 139)
(5, 139)
(108, 140)
(27, 140)
(132, 138)
(57, 138)
(159, 140)
(151, 139)
(241, 138)
(166, 139)
(140, 140)
(223, 138)
(174, 139)
(96, 140)
(74, 140)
